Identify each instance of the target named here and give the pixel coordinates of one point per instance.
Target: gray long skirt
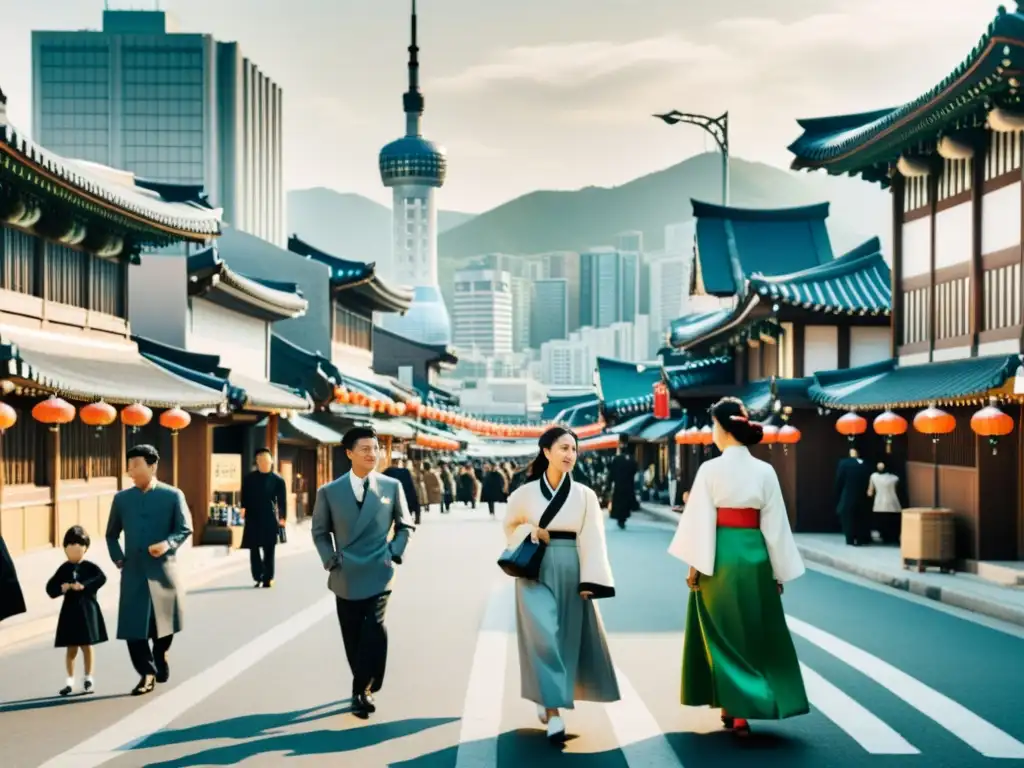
(563, 651)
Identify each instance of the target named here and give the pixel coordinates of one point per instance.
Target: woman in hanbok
(734, 534)
(563, 651)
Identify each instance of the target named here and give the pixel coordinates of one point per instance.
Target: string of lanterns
(55, 412)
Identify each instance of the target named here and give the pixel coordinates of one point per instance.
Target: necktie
(366, 489)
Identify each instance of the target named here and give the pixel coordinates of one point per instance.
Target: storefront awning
(600, 443)
(887, 385)
(660, 430)
(304, 429)
(633, 426)
(262, 395)
(400, 429)
(86, 369)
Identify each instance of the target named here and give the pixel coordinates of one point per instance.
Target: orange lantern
(992, 423)
(935, 422)
(788, 435)
(851, 425)
(8, 417)
(706, 435)
(889, 425)
(53, 411)
(683, 437)
(98, 415)
(341, 395)
(136, 415)
(175, 420)
(400, 409)
(769, 434)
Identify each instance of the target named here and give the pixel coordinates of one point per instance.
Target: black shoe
(146, 685)
(362, 703)
(163, 671)
(258, 584)
(268, 584)
(65, 691)
(87, 686)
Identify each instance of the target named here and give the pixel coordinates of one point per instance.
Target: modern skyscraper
(166, 106)
(483, 312)
(413, 168)
(550, 317)
(609, 287)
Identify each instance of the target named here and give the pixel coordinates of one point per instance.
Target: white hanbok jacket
(581, 514)
(736, 480)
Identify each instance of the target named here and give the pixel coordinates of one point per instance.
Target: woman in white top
(735, 536)
(887, 508)
(563, 651)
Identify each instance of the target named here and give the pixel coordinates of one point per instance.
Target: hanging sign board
(226, 472)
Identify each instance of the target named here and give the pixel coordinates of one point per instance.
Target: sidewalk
(883, 565)
(197, 565)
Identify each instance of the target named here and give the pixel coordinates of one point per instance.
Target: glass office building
(173, 107)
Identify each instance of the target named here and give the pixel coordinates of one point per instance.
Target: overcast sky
(549, 94)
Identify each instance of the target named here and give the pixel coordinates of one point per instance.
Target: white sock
(70, 682)
(88, 678)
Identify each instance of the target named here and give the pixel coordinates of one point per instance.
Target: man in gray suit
(352, 521)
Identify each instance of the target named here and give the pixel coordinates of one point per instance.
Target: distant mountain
(348, 225)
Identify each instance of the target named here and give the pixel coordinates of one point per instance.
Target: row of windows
(58, 77)
(352, 329)
(77, 106)
(155, 123)
(163, 91)
(59, 120)
(136, 78)
(168, 57)
(63, 139)
(73, 55)
(186, 139)
(133, 153)
(168, 107)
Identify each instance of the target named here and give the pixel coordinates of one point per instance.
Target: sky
(548, 94)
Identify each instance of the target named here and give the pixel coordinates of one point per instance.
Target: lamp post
(718, 127)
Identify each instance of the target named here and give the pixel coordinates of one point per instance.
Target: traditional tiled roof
(632, 426)
(859, 282)
(557, 403)
(302, 429)
(627, 387)
(211, 277)
(660, 430)
(444, 353)
(244, 392)
(362, 285)
(701, 372)
(735, 243)
(437, 396)
(300, 369)
(886, 384)
(580, 415)
(868, 142)
(103, 191)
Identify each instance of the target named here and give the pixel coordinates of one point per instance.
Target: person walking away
(853, 476)
(563, 650)
(397, 471)
(12, 601)
(735, 536)
(493, 491)
(432, 486)
(887, 510)
(265, 501)
(353, 519)
(80, 624)
(467, 486)
(622, 477)
(448, 485)
(155, 521)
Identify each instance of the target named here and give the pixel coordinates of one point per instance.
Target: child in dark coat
(80, 624)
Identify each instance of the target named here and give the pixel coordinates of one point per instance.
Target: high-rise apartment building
(167, 106)
(609, 287)
(550, 318)
(483, 312)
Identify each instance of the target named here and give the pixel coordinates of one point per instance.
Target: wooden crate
(224, 536)
(928, 538)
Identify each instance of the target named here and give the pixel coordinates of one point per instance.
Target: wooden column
(194, 473)
(273, 421)
(995, 533)
(933, 194)
(896, 325)
(122, 449)
(174, 459)
(53, 472)
(799, 345)
(842, 346)
(976, 316)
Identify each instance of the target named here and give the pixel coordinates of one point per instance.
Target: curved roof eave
(209, 273)
(815, 211)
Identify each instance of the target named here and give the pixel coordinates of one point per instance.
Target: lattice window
(916, 312)
(1004, 154)
(952, 305)
(915, 193)
(956, 178)
(1002, 297)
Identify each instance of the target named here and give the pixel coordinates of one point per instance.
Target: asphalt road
(259, 677)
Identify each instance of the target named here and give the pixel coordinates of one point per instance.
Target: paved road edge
(907, 583)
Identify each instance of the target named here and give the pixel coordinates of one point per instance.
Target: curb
(196, 574)
(907, 583)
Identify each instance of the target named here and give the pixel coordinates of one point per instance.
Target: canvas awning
(660, 430)
(304, 429)
(263, 395)
(633, 426)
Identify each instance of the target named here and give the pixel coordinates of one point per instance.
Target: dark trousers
(261, 561)
(365, 639)
(145, 658)
(490, 507)
(888, 525)
(417, 514)
(856, 527)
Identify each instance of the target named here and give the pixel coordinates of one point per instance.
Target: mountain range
(354, 227)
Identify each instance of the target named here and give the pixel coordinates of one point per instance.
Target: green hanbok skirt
(737, 650)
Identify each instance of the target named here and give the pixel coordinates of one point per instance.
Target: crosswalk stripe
(977, 733)
(485, 692)
(640, 737)
(866, 729)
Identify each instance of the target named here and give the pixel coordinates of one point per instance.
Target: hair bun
(751, 433)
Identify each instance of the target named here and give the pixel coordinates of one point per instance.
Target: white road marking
(161, 711)
(859, 724)
(977, 733)
(485, 691)
(640, 737)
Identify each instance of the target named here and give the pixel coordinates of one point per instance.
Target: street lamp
(718, 127)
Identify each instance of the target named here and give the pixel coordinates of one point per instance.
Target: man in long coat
(265, 501)
(853, 475)
(398, 472)
(12, 602)
(622, 478)
(155, 521)
(432, 487)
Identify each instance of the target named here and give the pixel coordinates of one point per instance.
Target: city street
(258, 677)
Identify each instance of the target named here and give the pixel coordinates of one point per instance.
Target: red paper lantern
(661, 405)
(53, 411)
(136, 415)
(98, 415)
(889, 425)
(992, 423)
(769, 434)
(175, 420)
(706, 435)
(934, 422)
(851, 425)
(788, 435)
(8, 417)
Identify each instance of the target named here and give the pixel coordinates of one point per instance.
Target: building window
(352, 329)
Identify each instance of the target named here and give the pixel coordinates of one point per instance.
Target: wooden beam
(899, 190)
(799, 344)
(843, 346)
(54, 483)
(174, 459)
(122, 449)
(933, 193)
(273, 424)
(976, 318)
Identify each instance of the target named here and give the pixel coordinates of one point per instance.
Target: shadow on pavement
(233, 588)
(307, 743)
(46, 702)
(245, 726)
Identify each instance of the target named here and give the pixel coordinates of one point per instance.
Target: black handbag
(524, 561)
(282, 535)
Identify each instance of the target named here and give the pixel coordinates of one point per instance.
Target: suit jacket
(353, 542)
(265, 499)
(404, 476)
(852, 478)
(12, 602)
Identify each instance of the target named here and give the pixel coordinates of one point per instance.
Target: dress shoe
(163, 671)
(362, 703)
(146, 685)
(556, 729)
